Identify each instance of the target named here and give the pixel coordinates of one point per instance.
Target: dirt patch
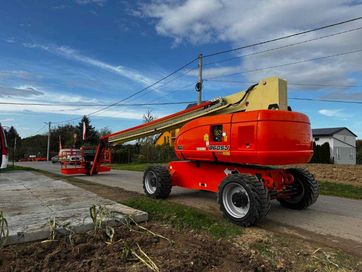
(347, 174)
(187, 251)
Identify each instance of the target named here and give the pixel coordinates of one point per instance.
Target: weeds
(98, 215)
(54, 227)
(4, 230)
(110, 234)
(69, 229)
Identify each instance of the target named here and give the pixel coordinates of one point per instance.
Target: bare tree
(148, 117)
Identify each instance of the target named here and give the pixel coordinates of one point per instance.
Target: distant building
(342, 143)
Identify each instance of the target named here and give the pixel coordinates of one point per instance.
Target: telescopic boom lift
(228, 146)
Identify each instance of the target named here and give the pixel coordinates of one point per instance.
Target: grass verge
(15, 168)
(180, 216)
(341, 190)
(132, 166)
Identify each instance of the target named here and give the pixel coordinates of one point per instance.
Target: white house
(342, 143)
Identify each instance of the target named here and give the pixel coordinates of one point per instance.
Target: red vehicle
(228, 146)
(3, 149)
(75, 161)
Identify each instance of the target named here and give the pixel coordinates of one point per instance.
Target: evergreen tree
(359, 151)
(322, 154)
(91, 133)
(14, 142)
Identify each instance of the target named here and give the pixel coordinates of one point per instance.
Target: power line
(150, 103)
(169, 81)
(214, 54)
(93, 105)
(289, 83)
(284, 46)
(135, 93)
(40, 129)
(282, 37)
(326, 100)
(290, 63)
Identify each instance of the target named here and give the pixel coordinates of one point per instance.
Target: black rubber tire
(88, 168)
(309, 190)
(258, 195)
(163, 182)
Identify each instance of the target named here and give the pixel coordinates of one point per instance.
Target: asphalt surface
(331, 219)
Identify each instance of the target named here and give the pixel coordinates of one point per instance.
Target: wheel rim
(236, 200)
(151, 182)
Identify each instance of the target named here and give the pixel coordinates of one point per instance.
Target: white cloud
(72, 111)
(215, 71)
(336, 113)
(15, 74)
(245, 22)
(71, 104)
(21, 91)
(6, 120)
(74, 55)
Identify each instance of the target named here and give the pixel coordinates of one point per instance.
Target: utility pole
(48, 147)
(14, 148)
(199, 83)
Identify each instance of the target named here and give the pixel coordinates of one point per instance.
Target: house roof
(329, 131)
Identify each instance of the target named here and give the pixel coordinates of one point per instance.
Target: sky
(79, 55)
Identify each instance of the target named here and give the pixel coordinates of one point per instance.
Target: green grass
(132, 166)
(16, 168)
(183, 216)
(339, 189)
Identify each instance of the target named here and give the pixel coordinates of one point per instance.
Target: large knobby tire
(243, 199)
(306, 190)
(157, 182)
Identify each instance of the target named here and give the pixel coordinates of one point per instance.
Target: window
(338, 154)
(216, 133)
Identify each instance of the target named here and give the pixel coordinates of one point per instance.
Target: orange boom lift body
(228, 146)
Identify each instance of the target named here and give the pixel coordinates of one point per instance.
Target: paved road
(335, 219)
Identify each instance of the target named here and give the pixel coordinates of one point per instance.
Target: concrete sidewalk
(28, 200)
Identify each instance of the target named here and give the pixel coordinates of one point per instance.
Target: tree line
(70, 136)
(143, 150)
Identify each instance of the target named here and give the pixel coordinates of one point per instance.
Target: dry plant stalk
(327, 256)
(52, 228)
(147, 230)
(98, 214)
(4, 230)
(110, 234)
(145, 259)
